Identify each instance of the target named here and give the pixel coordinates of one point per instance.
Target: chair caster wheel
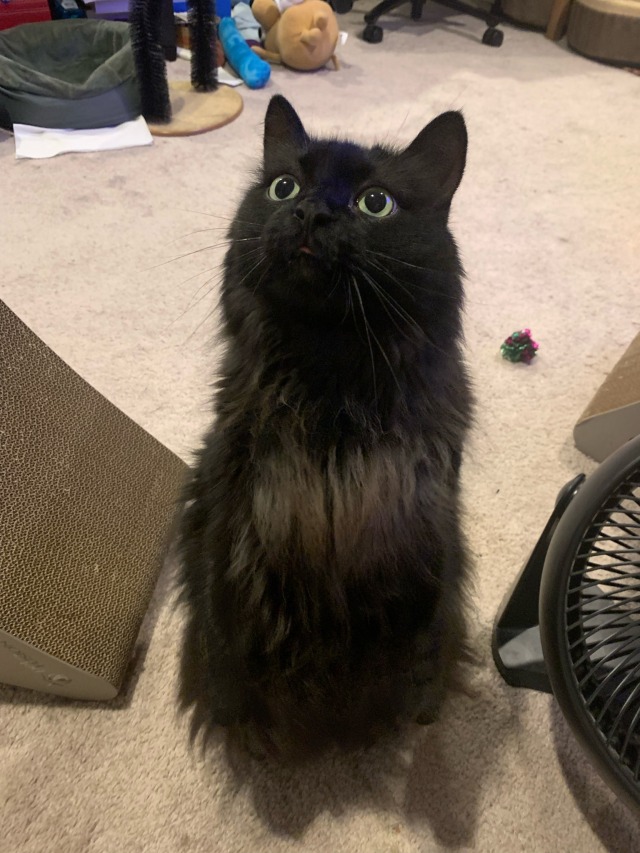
(493, 37)
(341, 7)
(372, 33)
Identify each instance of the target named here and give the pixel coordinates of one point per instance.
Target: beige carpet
(548, 222)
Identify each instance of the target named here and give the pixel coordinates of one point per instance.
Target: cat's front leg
(435, 652)
(212, 680)
(430, 701)
(427, 682)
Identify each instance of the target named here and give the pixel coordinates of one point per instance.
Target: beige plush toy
(302, 34)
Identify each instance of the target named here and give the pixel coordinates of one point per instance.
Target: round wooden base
(198, 112)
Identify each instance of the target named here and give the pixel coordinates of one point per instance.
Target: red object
(14, 12)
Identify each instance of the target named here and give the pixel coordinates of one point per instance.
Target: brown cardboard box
(613, 416)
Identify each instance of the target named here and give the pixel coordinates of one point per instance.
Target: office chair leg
(341, 7)
(381, 9)
(493, 37)
(372, 33)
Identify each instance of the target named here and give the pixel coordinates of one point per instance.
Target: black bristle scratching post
(202, 35)
(144, 26)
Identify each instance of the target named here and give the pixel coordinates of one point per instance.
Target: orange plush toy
(302, 34)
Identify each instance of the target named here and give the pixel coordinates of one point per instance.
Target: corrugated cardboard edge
(613, 415)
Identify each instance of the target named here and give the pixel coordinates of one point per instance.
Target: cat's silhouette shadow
(430, 778)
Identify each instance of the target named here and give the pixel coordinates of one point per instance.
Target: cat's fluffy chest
(328, 508)
(346, 505)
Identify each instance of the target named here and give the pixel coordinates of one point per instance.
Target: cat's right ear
(284, 136)
(438, 155)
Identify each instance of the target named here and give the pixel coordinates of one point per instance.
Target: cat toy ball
(519, 346)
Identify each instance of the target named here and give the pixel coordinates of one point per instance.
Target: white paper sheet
(224, 77)
(37, 143)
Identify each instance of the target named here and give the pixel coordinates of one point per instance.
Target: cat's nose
(312, 213)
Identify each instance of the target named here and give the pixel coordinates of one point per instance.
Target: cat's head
(333, 228)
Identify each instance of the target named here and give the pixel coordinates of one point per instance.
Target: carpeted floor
(547, 220)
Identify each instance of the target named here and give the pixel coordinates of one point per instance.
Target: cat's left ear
(284, 135)
(439, 153)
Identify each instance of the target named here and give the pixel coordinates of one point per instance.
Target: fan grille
(603, 622)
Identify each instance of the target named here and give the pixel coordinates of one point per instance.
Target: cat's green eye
(376, 202)
(283, 188)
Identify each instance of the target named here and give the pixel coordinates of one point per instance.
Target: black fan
(571, 624)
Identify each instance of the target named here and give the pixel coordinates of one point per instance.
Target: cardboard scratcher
(89, 501)
(613, 416)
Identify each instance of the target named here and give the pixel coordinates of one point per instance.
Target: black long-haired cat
(323, 563)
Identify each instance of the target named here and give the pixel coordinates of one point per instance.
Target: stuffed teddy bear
(301, 34)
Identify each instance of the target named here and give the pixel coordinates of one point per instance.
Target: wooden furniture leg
(557, 26)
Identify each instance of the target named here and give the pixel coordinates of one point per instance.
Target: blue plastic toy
(254, 71)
